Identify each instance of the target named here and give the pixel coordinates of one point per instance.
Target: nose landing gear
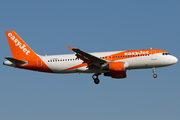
(154, 75)
(96, 79)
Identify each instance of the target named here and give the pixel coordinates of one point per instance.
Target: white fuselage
(59, 63)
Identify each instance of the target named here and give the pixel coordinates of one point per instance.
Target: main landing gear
(95, 78)
(154, 75)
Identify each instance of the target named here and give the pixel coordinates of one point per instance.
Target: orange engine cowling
(116, 70)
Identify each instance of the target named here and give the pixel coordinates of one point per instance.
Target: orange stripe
(77, 66)
(33, 65)
(132, 54)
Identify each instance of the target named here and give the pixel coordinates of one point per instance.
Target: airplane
(111, 64)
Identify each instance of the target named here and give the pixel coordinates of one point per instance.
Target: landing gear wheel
(96, 81)
(95, 78)
(155, 75)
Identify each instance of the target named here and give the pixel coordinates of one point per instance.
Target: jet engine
(116, 69)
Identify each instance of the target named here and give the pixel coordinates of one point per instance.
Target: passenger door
(153, 55)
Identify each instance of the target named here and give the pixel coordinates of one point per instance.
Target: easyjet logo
(136, 53)
(18, 43)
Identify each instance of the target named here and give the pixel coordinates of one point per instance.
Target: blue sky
(48, 27)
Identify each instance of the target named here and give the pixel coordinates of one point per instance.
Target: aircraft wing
(91, 60)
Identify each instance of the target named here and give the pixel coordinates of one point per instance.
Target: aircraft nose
(174, 60)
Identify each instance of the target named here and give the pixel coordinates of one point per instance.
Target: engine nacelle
(120, 74)
(114, 66)
(116, 70)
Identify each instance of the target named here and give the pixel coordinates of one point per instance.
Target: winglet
(70, 48)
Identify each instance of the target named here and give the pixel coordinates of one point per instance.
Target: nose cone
(174, 60)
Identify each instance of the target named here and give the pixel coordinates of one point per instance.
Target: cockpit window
(165, 54)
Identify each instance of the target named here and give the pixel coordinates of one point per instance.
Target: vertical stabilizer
(23, 56)
(19, 49)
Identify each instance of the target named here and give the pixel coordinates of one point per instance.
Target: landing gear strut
(154, 75)
(95, 78)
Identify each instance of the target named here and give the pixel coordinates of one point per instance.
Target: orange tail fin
(23, 56)
(19, 49)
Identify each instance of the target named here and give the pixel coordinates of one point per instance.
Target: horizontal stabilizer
(13, 60)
